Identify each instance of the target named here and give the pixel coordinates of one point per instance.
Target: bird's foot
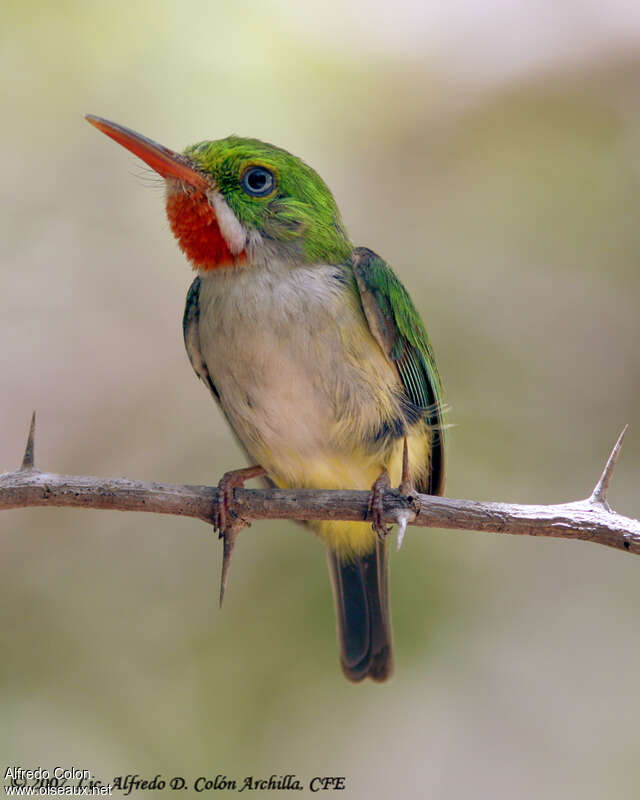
(406, 489)
(376, 504)
(226, 521)
(224, 515)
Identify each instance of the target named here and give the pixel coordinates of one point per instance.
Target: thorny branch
(591, 519)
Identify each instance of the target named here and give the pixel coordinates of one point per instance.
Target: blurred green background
(490, 152)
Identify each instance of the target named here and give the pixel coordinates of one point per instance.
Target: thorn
(226, 521)
(405, 461)
(599, 494)
(27, 461)
(229, 539)
(402, 519)
(406, 485)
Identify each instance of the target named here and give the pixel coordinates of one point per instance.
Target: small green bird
(311, 347)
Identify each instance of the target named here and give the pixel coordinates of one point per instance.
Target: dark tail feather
(361, 594)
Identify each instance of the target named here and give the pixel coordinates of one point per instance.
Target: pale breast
(299, 374)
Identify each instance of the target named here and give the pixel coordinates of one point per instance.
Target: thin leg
(226, 521)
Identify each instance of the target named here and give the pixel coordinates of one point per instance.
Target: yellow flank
(359, 471)
(348, 539)
(311, 393)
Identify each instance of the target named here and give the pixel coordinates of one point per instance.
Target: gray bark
(591, 519)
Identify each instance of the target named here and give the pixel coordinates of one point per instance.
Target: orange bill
(165, 162)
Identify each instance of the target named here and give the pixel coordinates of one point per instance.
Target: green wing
(190, 329)
(398, 329)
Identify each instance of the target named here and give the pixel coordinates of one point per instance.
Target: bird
(313, 350)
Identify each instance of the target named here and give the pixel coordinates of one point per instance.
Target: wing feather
(398, 329)
(191, 331)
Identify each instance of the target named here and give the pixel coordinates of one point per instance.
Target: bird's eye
(258, 181)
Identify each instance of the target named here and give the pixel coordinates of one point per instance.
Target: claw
(226, 521)
(376, 509)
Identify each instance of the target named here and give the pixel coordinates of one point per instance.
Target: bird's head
(235, 202)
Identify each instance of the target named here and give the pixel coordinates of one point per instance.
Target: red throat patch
(196, 228)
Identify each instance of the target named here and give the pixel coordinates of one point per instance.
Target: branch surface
(591, 519)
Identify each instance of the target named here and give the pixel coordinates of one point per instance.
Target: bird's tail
(363, 615)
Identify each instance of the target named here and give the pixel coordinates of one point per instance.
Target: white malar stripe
(234, 233)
